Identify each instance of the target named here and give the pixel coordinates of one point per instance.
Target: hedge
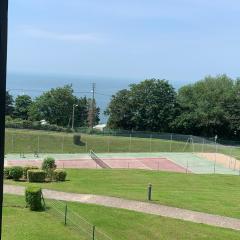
(77, 139)
(36, 175)
(16, 173)
(6, 173)
(33, 197)
(26, 124)
(59, 175)
(25, 170)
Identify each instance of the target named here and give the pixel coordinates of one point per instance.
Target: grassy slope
(20, 223)
(217, 194)
(50, 142)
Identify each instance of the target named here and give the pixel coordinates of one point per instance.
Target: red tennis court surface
(162, 164)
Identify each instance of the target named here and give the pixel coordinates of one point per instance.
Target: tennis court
(163, 161)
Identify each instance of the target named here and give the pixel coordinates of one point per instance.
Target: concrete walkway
(144, 207)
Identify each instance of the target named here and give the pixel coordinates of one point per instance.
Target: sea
(35, 84)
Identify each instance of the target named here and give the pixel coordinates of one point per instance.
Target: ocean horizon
(35, 84)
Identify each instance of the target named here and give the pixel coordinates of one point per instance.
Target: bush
(77, 139)
(16, 173)
(6, 173)
(49, 166)
(33, 197)
(36, 175)
(59, 175)
(48, 163)
(25, 170)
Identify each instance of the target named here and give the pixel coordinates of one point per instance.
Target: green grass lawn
(29, 141)
(21, 224)
(217, 194)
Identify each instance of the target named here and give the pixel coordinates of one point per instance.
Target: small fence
(65, 214)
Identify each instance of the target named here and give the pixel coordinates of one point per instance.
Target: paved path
(144, 207)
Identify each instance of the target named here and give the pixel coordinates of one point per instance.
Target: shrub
(33, 197)
(36, 175)
(59, 175)
(77, 139)
(6, 173)
(25, 170)
(48, 163)
(49, 166)
(16, 173)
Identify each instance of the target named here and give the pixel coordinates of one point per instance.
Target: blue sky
(136, 39)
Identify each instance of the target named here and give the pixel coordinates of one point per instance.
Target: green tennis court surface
(188, 162)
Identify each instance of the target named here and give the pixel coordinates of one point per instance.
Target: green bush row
(36, 175)
(59, 175)
(26, 124)
(32, 174)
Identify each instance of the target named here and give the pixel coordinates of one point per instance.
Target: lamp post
(73, 115)
(3, 68)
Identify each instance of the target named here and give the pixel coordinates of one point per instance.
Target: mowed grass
(30, 141)
(216, 194)
(21, 224)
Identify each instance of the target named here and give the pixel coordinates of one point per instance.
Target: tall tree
(56, 107)
(203, 107)
(149, 105)
(9, 104)
(22, 106)
(93, 113)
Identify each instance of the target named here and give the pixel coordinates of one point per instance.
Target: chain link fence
(109, 141)
(219, 156)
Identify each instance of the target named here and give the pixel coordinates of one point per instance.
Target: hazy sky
(180, 40)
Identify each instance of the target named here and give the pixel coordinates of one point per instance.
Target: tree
(56, 106)
(120, 111)
(9, 104)
(149, 105)
(93, 113)
(22, 106)
(204, 107)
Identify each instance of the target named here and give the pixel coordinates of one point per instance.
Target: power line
(41, 91)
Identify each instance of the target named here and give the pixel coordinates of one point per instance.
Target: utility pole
(92, 108)
(73, 115)
(3, 73)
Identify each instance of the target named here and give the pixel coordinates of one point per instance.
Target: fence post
(171, 138)
(65, 215)
(149, 192)
(214, 167)
(130, 142)
(86, 145)
(150, 142)
(12, 143)
(93, 233)
(38, 148)
(62, 144)
(192, 144)
(108, 143)
(203, 146)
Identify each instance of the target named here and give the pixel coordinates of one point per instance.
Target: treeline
(208, 107)
(55, 107)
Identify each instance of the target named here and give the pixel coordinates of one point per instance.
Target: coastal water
(36, 84)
